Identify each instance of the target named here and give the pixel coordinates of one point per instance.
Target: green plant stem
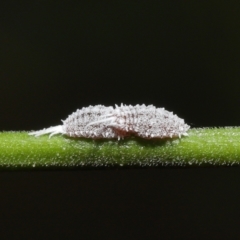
(215, 146)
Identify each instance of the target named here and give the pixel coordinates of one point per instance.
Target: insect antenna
(52, 130)
(108, 119)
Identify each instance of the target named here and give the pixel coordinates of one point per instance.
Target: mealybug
(108, 122)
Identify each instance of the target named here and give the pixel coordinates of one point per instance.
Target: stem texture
(215, 146)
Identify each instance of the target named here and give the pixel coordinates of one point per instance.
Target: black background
(57, 56)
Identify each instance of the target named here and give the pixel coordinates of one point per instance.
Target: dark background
(57, 56)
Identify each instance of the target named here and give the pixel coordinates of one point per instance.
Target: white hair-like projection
(108, 122)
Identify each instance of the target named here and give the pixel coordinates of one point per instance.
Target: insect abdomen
(149, 122)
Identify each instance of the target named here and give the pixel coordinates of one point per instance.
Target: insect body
(108, 122)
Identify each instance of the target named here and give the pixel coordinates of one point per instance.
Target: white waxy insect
(108, 122)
